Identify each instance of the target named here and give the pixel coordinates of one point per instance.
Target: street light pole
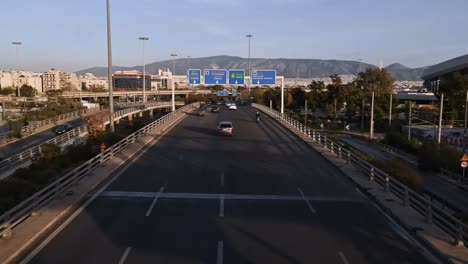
(372, 119)
(409, 120)
(390, 111)
(466, 117)
(173, 63)
(144, 69)
(440, 117)
(109, 69)
(249, 70)
(17, 44)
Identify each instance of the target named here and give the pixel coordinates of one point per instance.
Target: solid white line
(221, 206)
(161, 190)
(220, 252)
(306, 200)
(222, 179)
(343, 258)
(125, 255)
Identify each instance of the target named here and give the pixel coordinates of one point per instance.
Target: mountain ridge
(290, 68)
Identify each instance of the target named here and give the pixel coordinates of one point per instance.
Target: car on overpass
(63, 128)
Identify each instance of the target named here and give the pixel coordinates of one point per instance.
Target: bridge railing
(429, 210)
(25, 209)
(17, 159)
(38, 126)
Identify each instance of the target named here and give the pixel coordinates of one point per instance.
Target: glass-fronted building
(131, 80)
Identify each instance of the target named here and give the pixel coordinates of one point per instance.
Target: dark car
(63, 128)
(215, 109)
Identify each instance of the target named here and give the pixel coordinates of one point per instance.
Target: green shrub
(400, 141)
(433, 156)
(50, 152)
(402, 172)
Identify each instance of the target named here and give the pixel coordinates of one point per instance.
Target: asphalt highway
(261, 196)
(32, 140)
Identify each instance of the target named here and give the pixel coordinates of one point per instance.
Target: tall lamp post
(172, 82)
(249, 70)
(109, 69)
(17, 44)
(173, 63)
(144, 69)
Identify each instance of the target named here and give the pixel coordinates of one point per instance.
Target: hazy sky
(71, 34)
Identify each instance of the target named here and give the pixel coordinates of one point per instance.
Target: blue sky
(71, 35)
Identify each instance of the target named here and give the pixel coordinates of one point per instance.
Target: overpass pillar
(140, 114)
(130, 117)
(151, 112)
(117, 121)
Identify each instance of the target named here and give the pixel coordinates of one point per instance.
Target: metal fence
(35, 127)
(431, 212)
(19, 213)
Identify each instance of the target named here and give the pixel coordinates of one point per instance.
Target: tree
(298, 96)
(95, 122)
(274, 95)
(7, 91)
(454, 87)
(27, 91)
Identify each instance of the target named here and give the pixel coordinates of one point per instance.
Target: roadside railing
(17, 159)
(38, 126)
(431, 212)
(19, 213)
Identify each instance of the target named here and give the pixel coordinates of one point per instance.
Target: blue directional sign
(194, 76)
(222, 93)
(234, 93)
(263, 77)
(236, 77)
(216, 77)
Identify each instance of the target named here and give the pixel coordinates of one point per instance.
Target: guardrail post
(331, 146)
(7, 233)
(339, 152)
(371, 176)
(325, 142)
(428, 216)
(459, 237)
(387, 184)
(349, 157)
(313, 136)
(406, 197)
(21, 156)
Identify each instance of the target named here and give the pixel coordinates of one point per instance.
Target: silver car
(226, 128)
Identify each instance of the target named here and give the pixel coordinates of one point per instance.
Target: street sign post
(215, 77)
(236, 77)
(194, 76)
(263, 77)
(464, 163)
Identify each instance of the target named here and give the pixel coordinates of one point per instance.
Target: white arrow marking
(237, 82)
(347, 127)
(194, 81)
(217, 82)
(258, 82)
(321, 125)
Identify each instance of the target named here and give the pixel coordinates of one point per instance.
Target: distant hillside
(290, 68)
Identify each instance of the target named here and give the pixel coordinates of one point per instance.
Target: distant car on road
(232, 106)
(202, 113)
(215, 109)
(63, 128)
(226, 128)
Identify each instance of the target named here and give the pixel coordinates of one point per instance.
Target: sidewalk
(414, 222)
(51, 215)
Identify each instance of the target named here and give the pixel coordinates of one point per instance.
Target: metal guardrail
(31, 153)
(148, 104)
(19, 213)
(451, 225)
(35, 127)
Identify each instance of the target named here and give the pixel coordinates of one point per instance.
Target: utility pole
(334, 107)
(143, 39)
(439, 133)
(362, 115)
(305, 113)
(390, 111)
(466, 117)
(409, 121)
(249, 70)
(17, 44)
(109, 70)
(372, 119)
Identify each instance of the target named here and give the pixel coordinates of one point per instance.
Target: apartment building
(89, 80)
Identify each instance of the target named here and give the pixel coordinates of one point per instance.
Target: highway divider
(431, 212)
(25, 209)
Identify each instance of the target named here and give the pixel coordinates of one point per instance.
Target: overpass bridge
(128, 94)
(261, 196)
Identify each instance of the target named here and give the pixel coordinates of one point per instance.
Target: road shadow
(202, 130)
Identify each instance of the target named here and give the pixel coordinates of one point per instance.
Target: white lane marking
(221, 205)
(219, 260)
(222, 178)
(214, 196)
(306, 200)
(343, 258)
(125, 255)
(155, 200)
(46, 241)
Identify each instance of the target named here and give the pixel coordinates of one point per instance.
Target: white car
(232, 107)
(226, 128)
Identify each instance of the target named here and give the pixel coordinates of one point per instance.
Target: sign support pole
(282, 96)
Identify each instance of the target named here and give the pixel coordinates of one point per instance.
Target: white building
(89, 80)
(51, 80)
(20, 78)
